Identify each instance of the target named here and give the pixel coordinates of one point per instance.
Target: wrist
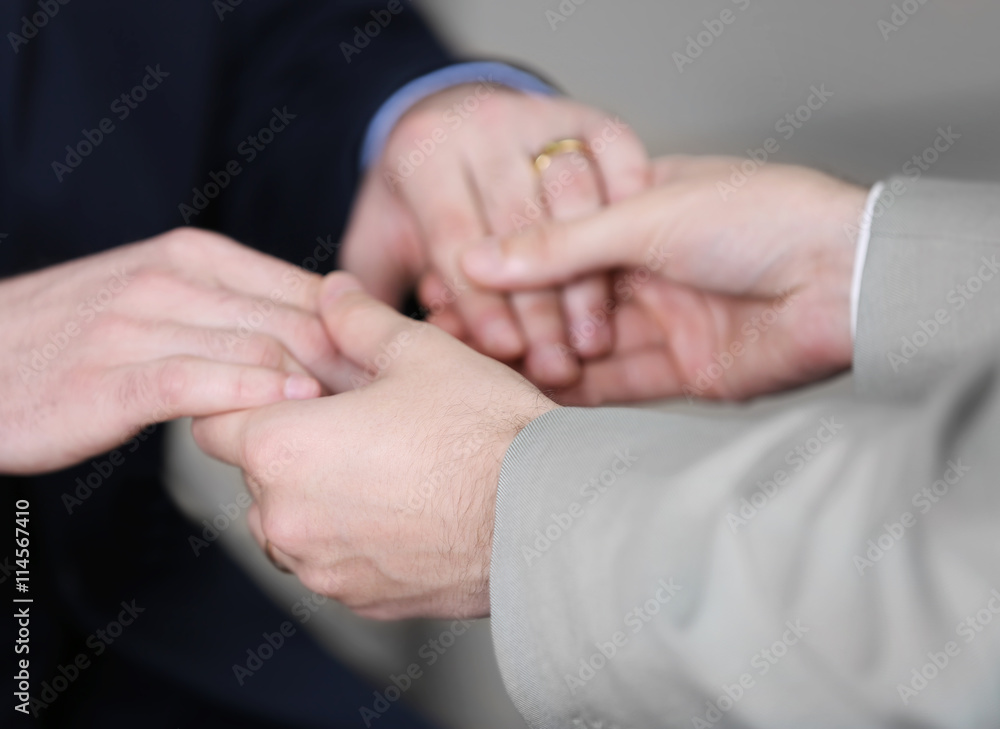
(839, 258)
(534, 406)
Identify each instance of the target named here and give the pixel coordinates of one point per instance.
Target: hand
(383, 497)
(458, 167)
(188, 323)
(721, 292)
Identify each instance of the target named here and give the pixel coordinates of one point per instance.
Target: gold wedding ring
(269, 551)
(562, 146)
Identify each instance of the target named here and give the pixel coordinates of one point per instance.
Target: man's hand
(459, 166)
(721, 292)
(188, 323)
(383, 497)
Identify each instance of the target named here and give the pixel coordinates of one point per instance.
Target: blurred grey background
(893, 86)
(942, 67)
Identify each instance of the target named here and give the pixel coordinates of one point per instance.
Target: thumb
(382, 245)
(361, 326)
(554, 253)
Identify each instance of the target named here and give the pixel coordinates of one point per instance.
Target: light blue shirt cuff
(402, 101)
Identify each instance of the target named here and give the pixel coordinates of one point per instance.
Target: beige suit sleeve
(835, 566)
(930, 293)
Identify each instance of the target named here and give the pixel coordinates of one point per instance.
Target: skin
(767, 267)
(475, 145)
(101, 346)
(384, 497)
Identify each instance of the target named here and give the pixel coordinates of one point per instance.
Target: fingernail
(337, 284)
(501, 337)
(301, 387)
(485, 260)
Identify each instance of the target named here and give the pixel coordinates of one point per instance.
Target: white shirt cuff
(864, 238)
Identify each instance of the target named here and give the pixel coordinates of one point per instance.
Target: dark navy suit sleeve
(296, 96)
(184, 93)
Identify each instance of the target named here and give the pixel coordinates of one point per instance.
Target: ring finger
(507, 186)
(574, 189)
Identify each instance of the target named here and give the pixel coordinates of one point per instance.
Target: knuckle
(421, 121)
(266, 351)
(583, 190)
(183, 245)
(494, 111)
(219, 345)
(151, 283)
(118, 328)
(537, 243)
(179, 243)
(456, 226)
(244, 387)
(326, 581)
(353, 315)
(283, 530)
(171, 381)
(256, 349)
(153, 390)
(263, 454)
(541, 308)
(305, 333)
